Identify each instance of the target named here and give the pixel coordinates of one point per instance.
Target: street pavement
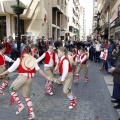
(93, 100)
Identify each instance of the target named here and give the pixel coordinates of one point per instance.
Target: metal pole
(18, 31)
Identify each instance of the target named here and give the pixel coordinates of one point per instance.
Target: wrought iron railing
(105, 26)
(105, 6)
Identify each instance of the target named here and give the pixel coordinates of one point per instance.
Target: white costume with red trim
(4, 58)
(50, 59)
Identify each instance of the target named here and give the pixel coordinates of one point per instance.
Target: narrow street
(94, 100)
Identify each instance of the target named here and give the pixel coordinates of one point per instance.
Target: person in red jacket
(82, 60)
(50, 59)
(66, 73)
(7, 51)
(27, 67)
(7, 45)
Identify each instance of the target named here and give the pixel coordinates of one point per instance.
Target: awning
(71, 34)
(31, 5)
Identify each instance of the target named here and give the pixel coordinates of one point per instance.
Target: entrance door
(2, 26)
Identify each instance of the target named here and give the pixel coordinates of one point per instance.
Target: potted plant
(18, 9)
(98, 28)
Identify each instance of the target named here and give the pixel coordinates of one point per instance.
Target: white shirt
(78, 52)
(77, 58)
(6, 57)
(98, 47)
(17, 63)
(65, 68)
(51, 62)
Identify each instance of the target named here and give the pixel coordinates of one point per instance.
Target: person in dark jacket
(57, 44)
(110, 48)
(116, 79)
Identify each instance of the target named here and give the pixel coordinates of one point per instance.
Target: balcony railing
(106, 5)
(105, 26)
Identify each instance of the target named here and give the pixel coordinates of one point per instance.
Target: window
(21, 26)
(2, 26)
(119, 11)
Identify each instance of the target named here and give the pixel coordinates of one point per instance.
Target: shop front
(117, 33)
(112, 24)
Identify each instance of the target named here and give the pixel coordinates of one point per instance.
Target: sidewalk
(109, 82)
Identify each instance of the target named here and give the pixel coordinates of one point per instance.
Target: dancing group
(65, 63)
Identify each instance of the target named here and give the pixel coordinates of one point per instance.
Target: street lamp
(18, 10)
(98, 18)
(18, 31)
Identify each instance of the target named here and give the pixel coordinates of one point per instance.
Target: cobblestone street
(93, 100)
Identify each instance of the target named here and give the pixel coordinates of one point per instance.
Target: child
(27, 67)
(75, 56)
(3, 58)
(82, 65)
(34, 51)
(65, 70)
(103, 57)
(50, 59)
(87, 53)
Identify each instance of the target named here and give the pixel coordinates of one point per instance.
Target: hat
(28, 62)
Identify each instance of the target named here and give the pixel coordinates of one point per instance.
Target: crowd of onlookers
(95, 48)
(105, 52)
(112, 49)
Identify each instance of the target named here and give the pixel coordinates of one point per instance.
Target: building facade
(82, 24)
(41, 18)
(109, 18)
(73, 13)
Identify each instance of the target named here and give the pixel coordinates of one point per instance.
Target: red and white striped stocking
(49, 87)
(4, 85)
(86, 78)
(30, 108)
(77, 78)
(16, 98)
(29, 105)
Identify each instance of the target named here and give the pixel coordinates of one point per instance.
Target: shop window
(2, 26)
(21, 26)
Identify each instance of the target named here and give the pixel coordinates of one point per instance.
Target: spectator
(23, 43)
(97, 51)
(12, 54)
(116, 80)
(92, 52)
(7, 45)
(110, 56)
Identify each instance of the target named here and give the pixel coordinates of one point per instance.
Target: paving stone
(93, 100)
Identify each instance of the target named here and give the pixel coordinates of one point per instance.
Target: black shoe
(119, 119)
(115, 101)
(117, 106)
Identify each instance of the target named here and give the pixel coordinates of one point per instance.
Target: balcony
(57, 6)
(106, 6)
(105, 26)
(117, 22)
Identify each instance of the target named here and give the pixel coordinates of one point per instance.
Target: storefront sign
(115, 15)
(62, 33)
(112, 24)
(117, 29)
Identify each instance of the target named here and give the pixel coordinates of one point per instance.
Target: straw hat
(28, 62)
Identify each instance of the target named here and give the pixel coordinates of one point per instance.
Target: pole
(18, 31)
